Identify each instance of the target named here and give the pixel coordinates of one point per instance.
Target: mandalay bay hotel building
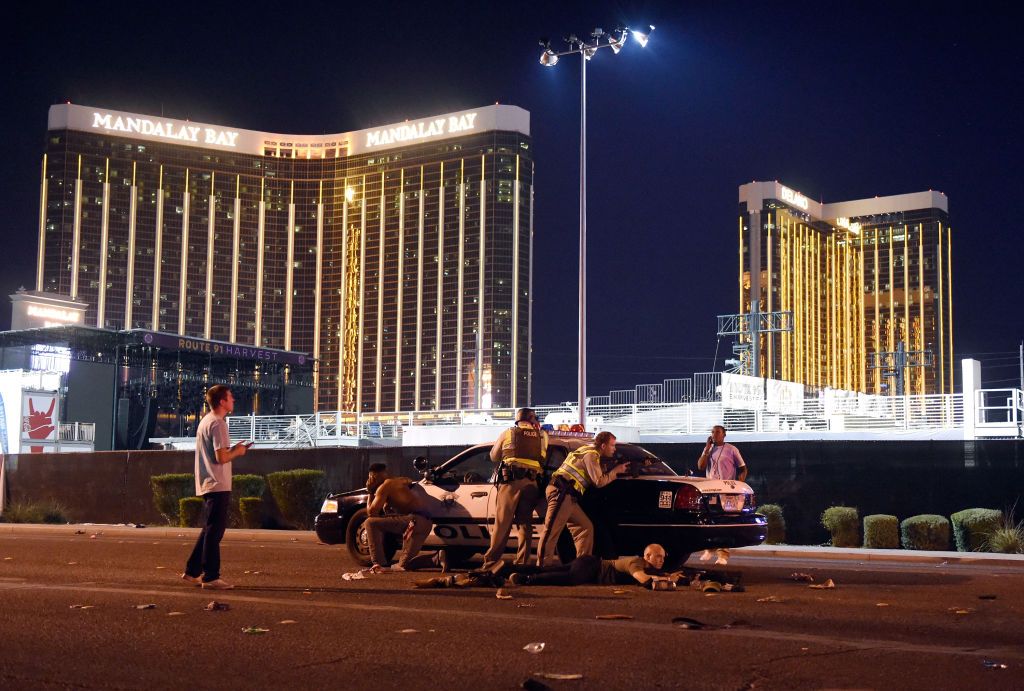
(398, 256)
(860, 277)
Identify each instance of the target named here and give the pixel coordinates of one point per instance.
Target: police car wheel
(357, 541)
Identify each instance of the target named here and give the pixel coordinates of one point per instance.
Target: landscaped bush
(248, 485)
(298, 494)
(243, 486)
(1007, 538)
(251, 510)
(844, 524)
(881, 531)
(971, 528)
(776, 523)
(190, 511)
(927, 531)
(168, 489)
(35, 512)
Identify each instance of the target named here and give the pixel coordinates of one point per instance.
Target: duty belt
(517, 472)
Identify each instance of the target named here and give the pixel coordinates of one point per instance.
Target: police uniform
(523, 451)
(580, 471)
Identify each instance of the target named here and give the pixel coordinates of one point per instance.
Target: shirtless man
(406, 516)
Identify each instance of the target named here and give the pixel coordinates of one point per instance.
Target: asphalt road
(885, 625)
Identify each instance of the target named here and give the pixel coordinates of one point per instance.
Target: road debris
(986, 597)
(288, 621)
(619, 592)
(79, 532)
(613, 617)
(72, 563)
(534, 647)
(307, 592)
(502, 595)
(827, 585)
(214, 606)
(161, 567)
(82, 606)
(526, 604)
(961, 610)
(255, 630)
(992, 664)
(881, 604)
(558, 676)
(146, 606)
(798, 576)
(770, 598)
(354, 575)
(175, 614)
(687, 623)
(408, 631)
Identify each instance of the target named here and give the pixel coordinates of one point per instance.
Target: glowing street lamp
(549, 58)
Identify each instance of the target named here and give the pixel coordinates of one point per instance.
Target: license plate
(732, 502)
(665, 500)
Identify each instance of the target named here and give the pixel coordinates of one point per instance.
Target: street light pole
(582, 352)
(549, 58)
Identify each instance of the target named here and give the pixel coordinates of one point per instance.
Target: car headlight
(330, 506)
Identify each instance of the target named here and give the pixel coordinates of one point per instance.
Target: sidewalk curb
(880, 555)
(309, 537)
(163, 531)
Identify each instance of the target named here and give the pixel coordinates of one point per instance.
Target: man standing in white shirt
(214, 454)
(723, 462)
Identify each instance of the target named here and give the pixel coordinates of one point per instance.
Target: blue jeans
(205, 558)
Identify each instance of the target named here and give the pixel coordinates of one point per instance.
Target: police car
(650, 503)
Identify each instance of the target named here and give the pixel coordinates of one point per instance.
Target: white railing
(1002, 408)
(77, 432)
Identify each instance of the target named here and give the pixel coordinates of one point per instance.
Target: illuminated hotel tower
(860, 277)
(398, 256)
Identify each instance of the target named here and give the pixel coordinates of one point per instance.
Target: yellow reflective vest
(574, 470)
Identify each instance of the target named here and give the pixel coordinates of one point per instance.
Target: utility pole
(895, 363)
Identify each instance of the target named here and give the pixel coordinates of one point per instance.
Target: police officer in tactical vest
(521, 451)
(581, 471)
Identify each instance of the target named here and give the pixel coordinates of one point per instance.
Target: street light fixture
(549, 58)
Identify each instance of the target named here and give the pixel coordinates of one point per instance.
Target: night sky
(837, 102)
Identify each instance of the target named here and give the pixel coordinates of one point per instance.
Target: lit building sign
(422, 129)
(791, 197)
(844, 222)
(50, 358)
(54, 316)
(182, 132)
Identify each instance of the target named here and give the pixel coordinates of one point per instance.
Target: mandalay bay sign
(182, 132)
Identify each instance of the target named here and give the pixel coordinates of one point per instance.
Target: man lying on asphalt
(396, 509)
(645, 571)
(588, 569)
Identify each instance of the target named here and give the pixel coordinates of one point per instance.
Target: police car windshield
(628, 452)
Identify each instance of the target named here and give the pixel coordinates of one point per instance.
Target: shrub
(168, 490)
(251, 510)
(776, 523)
(50, 511)
(971, 527)
(926, 531)
(298, 494)
(1007, 538)
(248, 485)
(843, 523)
(881, 531)
(190, 511)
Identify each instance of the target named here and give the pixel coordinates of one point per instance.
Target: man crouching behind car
(397, 510)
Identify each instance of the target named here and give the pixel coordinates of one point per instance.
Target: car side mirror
(422, 466)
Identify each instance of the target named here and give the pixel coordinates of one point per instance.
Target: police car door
(460, 493)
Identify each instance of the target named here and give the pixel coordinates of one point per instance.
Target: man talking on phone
(214, 454)
(723, 462)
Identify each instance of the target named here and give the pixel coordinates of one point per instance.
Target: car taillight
(749, 502)
(688, 498)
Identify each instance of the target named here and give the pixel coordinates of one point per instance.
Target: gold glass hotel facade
(862, 279)
(399, 257)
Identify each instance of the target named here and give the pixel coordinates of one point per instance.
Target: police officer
(580, 471)
(521, 451)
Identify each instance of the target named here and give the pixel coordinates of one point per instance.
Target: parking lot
(72, 616)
